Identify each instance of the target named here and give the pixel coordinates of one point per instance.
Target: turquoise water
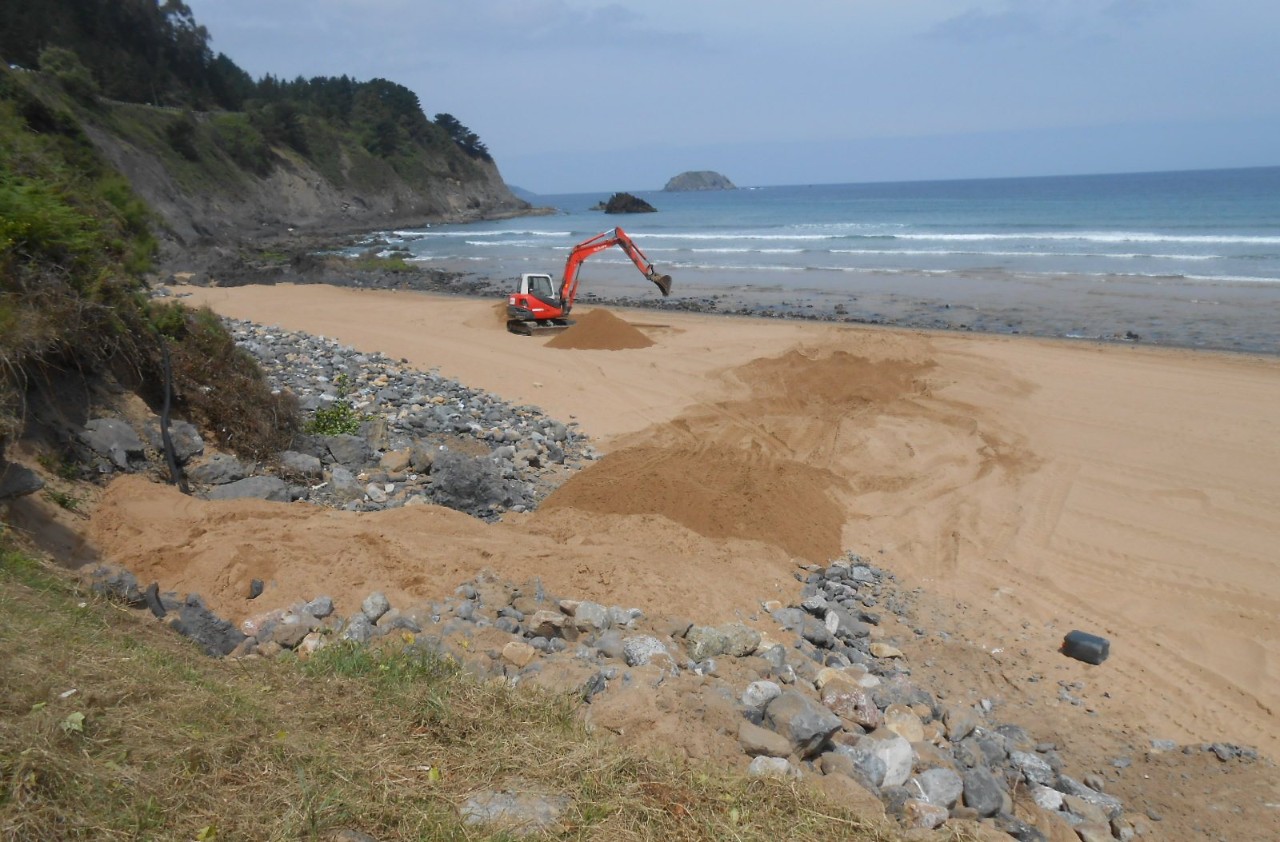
(1217, 226)
(1181, 258)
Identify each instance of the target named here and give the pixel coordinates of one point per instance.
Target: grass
(112, 727)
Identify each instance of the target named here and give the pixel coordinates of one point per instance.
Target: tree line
(154, 51)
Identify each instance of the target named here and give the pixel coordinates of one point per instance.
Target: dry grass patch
(114, 728)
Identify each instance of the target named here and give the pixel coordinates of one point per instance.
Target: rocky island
(696, 180)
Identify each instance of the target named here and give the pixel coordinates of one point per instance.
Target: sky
(576, 96)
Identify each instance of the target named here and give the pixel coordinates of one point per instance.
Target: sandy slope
(1030, 486)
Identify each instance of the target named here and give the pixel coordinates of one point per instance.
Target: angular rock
(187, 442)
(1034, 769)
(960, 721)
(18, 481)
(344, 485)
(759, 693)
(801, 720)
(547, 624)
(740, 640)
(904, 722)
(301, 465)
(252, 488)
(114, 582)
(983, 792)
(941, 787)
(1109, 804)
(704, 642)
(218, 469)
(851, 703)
(769, 767)
(216, 636)
(517, 813)
(114, 439)
(375, 605)
(351, 452)
(869, 768)
(921, 814)
(320, 607)
(1046, 797)
(358, 629)
(757, 741)
(895, 752)
(591, 616)
(518, 653)
(644, 649)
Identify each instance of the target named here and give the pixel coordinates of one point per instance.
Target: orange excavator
(539, 308)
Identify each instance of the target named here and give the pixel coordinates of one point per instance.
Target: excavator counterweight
(538, 307)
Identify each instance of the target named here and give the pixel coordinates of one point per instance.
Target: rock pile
(414, 437)
(821, 692)
(422, 437)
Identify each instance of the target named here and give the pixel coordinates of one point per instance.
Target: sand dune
(1029, 486)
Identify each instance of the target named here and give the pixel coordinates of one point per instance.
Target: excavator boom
(530, 312)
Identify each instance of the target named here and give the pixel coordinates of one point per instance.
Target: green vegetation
(340, 418)
(74, 241)
(150, 52)
(156, 741)
(221, 386)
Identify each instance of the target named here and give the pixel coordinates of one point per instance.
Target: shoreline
(1242, 318)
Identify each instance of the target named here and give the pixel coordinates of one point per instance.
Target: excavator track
(551, 327)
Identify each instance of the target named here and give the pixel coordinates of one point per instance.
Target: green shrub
(181, 134)
(244, 144)
(338, 419)
(66, 67)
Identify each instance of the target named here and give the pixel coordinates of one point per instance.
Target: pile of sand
(600, 330)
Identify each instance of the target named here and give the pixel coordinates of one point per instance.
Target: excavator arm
(600, 242)
(529, 312)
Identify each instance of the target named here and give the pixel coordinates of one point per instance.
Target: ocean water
(1163, 251)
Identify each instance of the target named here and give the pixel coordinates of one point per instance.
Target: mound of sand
(600, 330)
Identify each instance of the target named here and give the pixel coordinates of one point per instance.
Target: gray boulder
(941, 787)
(352, 452)
(740, 640)
(344, 485)
(358, 629)
(187, 442)
(983, 792)
(301, 465)
(18, 481)
(643, 649)
(704, 642)
(895, 752)
(807, 724)
(218, 469)
(114, 582)
(113, 439)
(216, 636)
(375, 605)
(1033, 768)
(254, 488)
(518, 813)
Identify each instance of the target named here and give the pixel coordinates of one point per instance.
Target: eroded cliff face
(235, 205)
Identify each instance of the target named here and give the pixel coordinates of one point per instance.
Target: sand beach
(1028, 486)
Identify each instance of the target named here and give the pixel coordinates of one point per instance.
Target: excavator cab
(540, 286)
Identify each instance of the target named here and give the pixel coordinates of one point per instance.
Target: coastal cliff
(214, 200)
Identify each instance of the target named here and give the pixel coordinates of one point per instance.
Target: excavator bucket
(663, 282)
